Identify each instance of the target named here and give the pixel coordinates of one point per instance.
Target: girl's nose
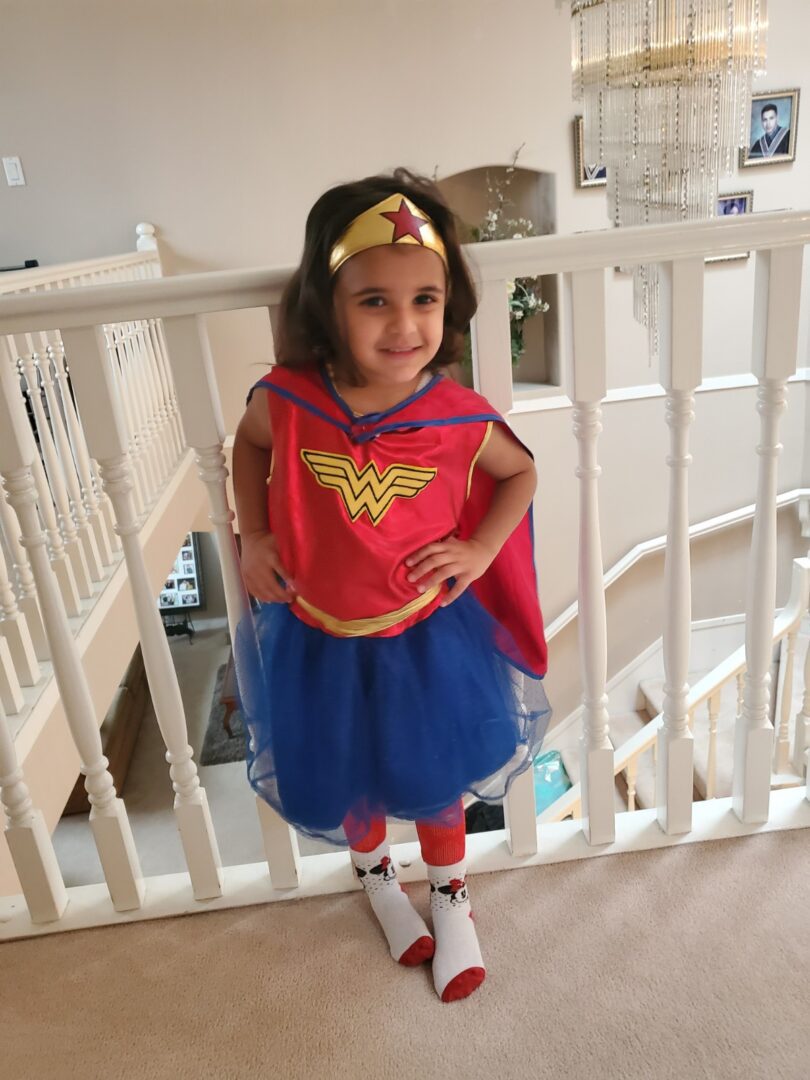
(401, 322)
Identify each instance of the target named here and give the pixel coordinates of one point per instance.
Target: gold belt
(373, 625)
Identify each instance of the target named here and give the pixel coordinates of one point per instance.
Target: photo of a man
(774, 139)
(774, 120)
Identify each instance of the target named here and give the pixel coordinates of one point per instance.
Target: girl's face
(389, 307)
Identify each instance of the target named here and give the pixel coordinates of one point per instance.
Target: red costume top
(350, 498)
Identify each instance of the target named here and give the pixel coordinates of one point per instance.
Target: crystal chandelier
(665, 87)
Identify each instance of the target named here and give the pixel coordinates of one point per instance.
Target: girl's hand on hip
(260, 565)
(464, 560)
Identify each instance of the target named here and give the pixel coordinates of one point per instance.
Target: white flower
(510, 288)
(491, 215)
(517, 236)
(518, 313)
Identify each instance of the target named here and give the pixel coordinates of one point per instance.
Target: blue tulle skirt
(398, 726)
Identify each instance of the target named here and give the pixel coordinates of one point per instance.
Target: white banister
(108, 817)
(104, 429)
(777, 295)
(586, 386)
(28, 839)
(199, 403)
(781, 756)
(60, 561)
(681, 340)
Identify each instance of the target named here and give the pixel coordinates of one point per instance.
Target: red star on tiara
(405, 223)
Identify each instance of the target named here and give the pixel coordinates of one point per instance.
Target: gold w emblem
(366, 489)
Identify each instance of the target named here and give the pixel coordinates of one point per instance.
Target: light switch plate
(14, 171)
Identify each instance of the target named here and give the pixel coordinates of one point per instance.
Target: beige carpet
(688, 963)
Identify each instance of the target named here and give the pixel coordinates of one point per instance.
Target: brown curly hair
(307, 331)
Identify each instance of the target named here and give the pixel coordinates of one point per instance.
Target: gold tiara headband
(395, 220)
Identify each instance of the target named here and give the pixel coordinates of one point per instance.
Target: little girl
(392, 550)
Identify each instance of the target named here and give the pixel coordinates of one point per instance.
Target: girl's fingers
(460, 586)
(442, 559)
(423, 553)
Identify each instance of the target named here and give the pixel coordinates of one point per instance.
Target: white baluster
(108, 817)
(586, 386)
(198, 399)
(781, 756)
(27, 600)
(167, 411)
(28, 839)
(681, 338)
(11, 696)
(490, 338)
(60, 563)
(713, 706)
(153, 398)
(162, 352)
(140, 409)
(801, 736)
(631, 773)
(777, 292)
(14, 628)
(93, 382)
(85, 533)
(120, 374)
(56, 482)
(82, 457)
(520, 806)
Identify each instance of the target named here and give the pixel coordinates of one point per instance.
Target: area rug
(217, 747)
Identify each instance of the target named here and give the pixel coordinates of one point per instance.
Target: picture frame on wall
(732, 205)
(772, 129)
(586, 176)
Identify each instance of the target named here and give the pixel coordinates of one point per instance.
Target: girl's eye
(425, 298)
(372, 301)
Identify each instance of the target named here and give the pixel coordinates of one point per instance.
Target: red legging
(441, 839)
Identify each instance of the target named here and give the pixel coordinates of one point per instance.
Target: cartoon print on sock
(455, 891)
(384, 870)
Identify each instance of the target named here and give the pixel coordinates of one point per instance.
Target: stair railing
(706, 692)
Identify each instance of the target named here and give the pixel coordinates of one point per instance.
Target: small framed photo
(586, 175)
(738, 202)
(773, 127)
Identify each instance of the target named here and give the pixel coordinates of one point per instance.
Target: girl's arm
(253, 445)
(465, 560)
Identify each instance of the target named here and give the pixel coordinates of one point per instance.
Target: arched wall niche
(530, 194)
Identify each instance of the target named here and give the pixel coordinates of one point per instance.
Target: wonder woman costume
(365, 696)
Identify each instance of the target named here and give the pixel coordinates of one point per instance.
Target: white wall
(222, 122)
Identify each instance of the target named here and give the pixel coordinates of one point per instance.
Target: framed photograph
(183, 587)
(773, 127)
(585, 175)
(738, 202)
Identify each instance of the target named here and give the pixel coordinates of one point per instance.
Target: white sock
(457, 965)
(408, 937)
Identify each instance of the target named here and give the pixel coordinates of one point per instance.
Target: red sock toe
(421, 950)
(464, 984)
